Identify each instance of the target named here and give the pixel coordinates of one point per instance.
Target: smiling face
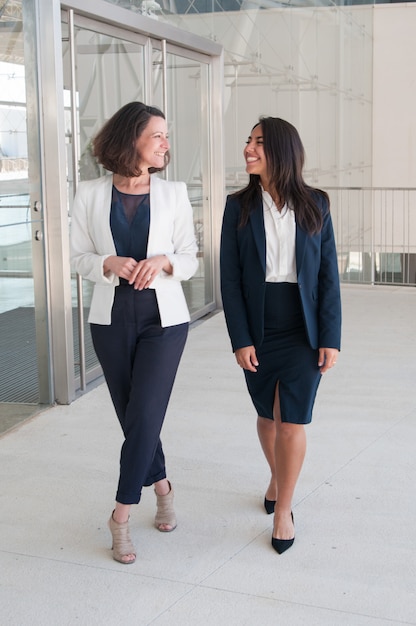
(153, 144)
(254, 155)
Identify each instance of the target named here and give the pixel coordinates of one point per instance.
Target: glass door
(181, 80)
(58, 86)
(106, 66)
(24, 351)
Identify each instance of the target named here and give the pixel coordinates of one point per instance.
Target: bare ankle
(162, 487)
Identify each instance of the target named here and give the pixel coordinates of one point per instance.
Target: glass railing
(375, 229)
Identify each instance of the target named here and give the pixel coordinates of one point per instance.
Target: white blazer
(171, 232)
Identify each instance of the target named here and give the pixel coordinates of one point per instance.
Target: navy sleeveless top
(129, 222)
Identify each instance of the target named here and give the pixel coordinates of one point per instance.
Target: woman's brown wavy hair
(114, 146)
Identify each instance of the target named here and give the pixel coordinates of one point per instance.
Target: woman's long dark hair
(285, 157)
(114, 146)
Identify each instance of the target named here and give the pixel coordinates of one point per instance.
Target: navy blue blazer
(243, 271)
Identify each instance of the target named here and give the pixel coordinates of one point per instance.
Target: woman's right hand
(121, 266)
(246, 358)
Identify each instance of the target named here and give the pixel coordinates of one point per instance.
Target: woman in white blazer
(132, 235)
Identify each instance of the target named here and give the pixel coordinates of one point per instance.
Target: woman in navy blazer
(132, 235)
(281, 299)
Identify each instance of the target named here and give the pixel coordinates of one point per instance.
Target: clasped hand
(140, 274)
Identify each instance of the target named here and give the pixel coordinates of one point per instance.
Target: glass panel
(157, 79)
(22, 279)
(189, 131)
(19, 379)
(109, 73)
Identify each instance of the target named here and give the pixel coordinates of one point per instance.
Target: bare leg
(290, 452)
(162, 487)
(121, 513)
(266, 430)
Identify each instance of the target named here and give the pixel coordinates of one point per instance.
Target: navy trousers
(139, 359)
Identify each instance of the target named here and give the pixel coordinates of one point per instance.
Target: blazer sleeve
(232, 293)
(329, 322)
(90, 243)
(183, 258)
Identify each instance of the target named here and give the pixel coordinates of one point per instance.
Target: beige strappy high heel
(122, 545)
(165, 515)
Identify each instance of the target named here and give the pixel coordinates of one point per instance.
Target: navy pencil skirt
(139, 359)
(285, 357)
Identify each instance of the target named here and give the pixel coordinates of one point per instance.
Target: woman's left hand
(327, 358)
(146, 271)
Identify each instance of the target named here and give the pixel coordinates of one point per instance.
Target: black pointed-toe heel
(269, 505)
(281, 545)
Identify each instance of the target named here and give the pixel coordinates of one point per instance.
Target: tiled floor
(354, 558)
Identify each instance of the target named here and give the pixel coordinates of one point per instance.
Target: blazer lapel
(102, 203)
(301, 237)
(257, 226)
(162, 206)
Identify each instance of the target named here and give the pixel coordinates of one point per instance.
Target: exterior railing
(375, 230)
(13, 165)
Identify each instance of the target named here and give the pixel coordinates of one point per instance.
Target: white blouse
(280, 229)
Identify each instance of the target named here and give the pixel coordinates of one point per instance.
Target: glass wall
(105, 67)
(307, 62)
(311, 65)
(24, 341)
(63, 72)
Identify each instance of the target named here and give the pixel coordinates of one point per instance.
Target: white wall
(360, 133)
(394, 95)
(309, 65)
